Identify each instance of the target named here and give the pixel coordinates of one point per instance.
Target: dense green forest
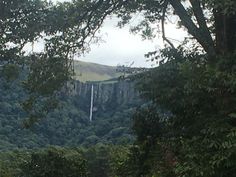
(66, 125)
(187, 127)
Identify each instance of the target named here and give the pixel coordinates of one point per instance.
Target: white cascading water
(91, 105)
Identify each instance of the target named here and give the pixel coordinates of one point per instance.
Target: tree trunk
(225, 27)
(201, 34)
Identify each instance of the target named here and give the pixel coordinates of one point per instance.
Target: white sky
(121, 47)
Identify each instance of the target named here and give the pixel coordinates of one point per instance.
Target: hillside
(68, 125)
(85, 71)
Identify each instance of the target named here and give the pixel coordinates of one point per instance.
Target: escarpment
(107, 95)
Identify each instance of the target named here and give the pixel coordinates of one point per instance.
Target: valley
(68, 125)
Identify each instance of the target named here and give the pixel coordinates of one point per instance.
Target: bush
(55, 162)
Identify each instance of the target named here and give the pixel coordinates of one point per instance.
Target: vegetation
(55, 162)
(187, 127)
(98, 161)
(193, 131)
(190, 120)
(94, 72)
(67, 125)
(42, 163)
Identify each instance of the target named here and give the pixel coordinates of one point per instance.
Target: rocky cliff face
(107, 95)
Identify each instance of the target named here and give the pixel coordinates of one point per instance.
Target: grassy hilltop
(85, 71)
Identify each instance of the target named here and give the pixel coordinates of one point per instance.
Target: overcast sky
(121, 47)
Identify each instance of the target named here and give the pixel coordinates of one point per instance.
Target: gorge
(114, 102)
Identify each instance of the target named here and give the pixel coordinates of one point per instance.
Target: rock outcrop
(107, 95)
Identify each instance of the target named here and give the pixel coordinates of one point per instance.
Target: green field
(85, 71)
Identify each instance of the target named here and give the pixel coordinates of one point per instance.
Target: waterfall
(91, 106)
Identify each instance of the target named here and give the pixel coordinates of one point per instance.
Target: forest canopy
(188, 126)
(68, 28)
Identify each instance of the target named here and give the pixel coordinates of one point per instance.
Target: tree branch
(201, 20)
(192, 28)
(163, 24)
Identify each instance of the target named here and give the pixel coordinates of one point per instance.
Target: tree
(199, 130)
(67, 30)
(194, 88)
(216, 37)
(55, 162)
